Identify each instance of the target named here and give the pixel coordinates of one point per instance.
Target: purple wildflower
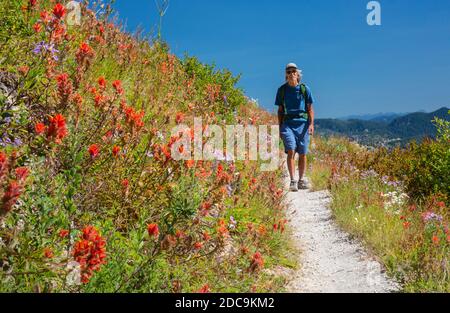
(225, 99)
(17, 142)
(429, 216)
(43, 47)
(229, 190)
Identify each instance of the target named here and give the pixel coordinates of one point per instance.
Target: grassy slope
(68, 189)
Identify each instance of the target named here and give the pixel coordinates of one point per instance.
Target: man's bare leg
(291, 163)
(301, 166)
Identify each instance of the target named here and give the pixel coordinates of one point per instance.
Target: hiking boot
(303, 184)
(293, 186)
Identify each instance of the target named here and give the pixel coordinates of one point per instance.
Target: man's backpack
(301, 114)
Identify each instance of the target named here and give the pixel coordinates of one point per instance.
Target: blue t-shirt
(293, 98)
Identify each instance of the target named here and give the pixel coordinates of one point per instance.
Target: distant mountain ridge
(384, 128)
(373, 117)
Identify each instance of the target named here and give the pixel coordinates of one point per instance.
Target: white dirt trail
(329, 261)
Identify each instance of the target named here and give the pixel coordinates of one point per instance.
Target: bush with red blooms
(57, 129)
(91, 126)
(90, 252)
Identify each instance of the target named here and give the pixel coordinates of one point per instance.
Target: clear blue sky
(351, 67)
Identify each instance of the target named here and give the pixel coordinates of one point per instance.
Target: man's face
(292, 75)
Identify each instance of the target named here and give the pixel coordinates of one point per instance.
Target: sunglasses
(291, 72)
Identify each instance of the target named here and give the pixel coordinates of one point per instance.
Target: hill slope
(92, 198)
(400, 130)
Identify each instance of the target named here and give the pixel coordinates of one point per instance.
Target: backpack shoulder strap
(282, 95)
(303, 89)
(304, 93)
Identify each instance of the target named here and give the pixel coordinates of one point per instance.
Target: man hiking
(296, 120)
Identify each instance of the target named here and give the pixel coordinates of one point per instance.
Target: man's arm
(309, 108)
(280, 114)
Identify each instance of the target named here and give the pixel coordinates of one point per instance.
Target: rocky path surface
(329, 260)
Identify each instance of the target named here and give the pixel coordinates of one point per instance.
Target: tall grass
(403, 221)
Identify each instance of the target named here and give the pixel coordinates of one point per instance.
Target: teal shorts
(295, 135)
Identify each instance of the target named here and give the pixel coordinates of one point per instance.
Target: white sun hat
(291, 65)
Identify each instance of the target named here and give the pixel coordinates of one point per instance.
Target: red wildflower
(117, 85)
(179, 118)
(48, 253)
(85, 48)
(3, 163)
(57, 128)
(180, 234)
(190, 163)
(84, 53)
(441, 204)
(279, 193)
(262, 230)
(257, 262)
(64, 87)
(125, 183)
(173, 139)
(39, 128)
(58, 32)
(89, 252)
(94, 150)
(37, 27)
(59, 11)
(63, 233)
(99, 100)
(32, 3)
(23, 69)
(204, 289)
(78, 100)
(406, 225)
(102, 82)
(222, 229)
(435, 239)
(132, 117)
(45, 17)
(166, 151)
(198, 245)
(153, 230)
(10, 196)
(21, 173)
(93, 90)
(219, 169)
(206, 236)
(115, 151)
(281, 225)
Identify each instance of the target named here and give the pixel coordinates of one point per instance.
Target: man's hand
(311, 129)
(309, 108)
